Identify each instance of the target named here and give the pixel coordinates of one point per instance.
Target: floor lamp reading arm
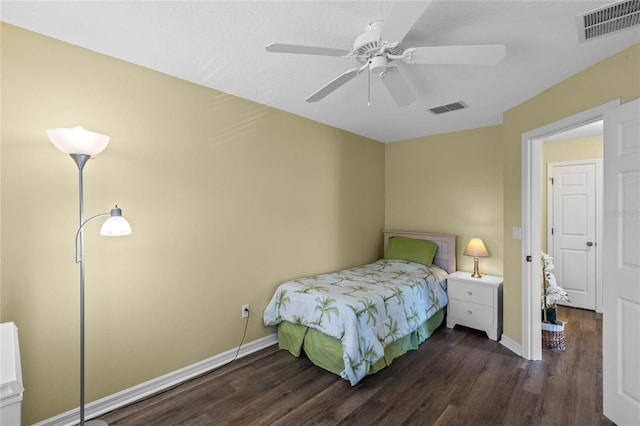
(116, 225)
(79, 255)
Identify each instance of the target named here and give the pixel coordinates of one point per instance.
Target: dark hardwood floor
(458, 377)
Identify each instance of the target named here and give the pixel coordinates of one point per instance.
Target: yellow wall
(459, 170)
(449, 183)
(613, 78)
(571, 149)
(563, 150)
(226, 198)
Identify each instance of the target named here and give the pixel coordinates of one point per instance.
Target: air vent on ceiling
(608, 19)
(448, 108)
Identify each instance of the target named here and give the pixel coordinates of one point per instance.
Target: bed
(355, 321)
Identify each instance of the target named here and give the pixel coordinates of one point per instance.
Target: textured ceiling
(220, 44)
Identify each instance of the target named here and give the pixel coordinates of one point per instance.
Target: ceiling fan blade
(397, 87)
(403, 16)
(455, 55)
(305, 50)
(334, 84)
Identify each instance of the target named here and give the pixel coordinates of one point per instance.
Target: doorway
(531, 347)
(621, 260)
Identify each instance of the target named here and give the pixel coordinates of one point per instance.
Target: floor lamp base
(96, 423)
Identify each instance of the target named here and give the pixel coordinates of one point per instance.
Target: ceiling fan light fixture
(378, 64)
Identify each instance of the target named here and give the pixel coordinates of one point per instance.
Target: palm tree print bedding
(366, 307)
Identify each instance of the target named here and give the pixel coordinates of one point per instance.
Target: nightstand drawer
(471, 313)
(470, 292)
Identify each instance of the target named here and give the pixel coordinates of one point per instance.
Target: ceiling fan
(381, 44)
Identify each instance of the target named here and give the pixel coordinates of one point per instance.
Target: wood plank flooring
(458, 377)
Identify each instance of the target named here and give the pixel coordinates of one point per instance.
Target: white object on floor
(11, 389)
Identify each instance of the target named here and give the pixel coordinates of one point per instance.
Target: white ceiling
(220, 44)
(586, 131)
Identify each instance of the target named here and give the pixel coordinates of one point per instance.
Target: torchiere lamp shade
(78, 141)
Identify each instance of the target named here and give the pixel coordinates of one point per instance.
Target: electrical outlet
(245, 311)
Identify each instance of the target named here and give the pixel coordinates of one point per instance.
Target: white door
(621, 263)
(573, 242)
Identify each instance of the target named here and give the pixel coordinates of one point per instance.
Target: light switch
(516, 233)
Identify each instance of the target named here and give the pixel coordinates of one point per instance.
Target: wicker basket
(553, 336)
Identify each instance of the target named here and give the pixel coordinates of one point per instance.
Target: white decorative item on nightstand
(475, 303)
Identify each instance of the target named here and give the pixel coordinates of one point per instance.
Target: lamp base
(476, 273)
(96, 423)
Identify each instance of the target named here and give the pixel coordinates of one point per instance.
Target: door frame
(531, 181)
(598, 236)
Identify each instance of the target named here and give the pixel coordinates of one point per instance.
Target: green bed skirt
(326, 352)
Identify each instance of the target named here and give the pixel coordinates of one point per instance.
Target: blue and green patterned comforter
(366, 308)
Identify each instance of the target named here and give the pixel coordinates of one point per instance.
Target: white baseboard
(136, 393)
(511, 344)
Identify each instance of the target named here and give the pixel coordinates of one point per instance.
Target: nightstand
(475, 303)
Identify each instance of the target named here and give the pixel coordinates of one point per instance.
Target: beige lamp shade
(476, 248)
(78, 141)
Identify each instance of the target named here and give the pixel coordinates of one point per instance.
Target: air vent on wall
(608, 19)
(448, 108)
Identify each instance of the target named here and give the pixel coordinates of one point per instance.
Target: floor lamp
(82, 145)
